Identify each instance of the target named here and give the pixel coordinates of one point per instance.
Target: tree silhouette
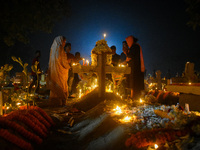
(193, 10)
(19, 18)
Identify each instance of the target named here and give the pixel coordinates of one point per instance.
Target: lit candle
(83, 61)
(156, 146)
(87, 62)
(18, 103)
(187, 109)
(80, 93)
(104, 35)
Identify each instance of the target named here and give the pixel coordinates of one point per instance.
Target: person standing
(124, 51)
(77, 79)
(136, 62)
(115, 56)
(58, 72)
(33, 74)
(70, 58)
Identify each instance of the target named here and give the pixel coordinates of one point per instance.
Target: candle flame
(104, 35)
(141, 100)
(18, 103)
(156, 146)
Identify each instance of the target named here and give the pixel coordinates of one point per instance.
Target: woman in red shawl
(135, 60)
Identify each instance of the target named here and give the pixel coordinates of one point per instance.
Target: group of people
(61, 76)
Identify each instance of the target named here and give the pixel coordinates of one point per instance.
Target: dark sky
(160, 25)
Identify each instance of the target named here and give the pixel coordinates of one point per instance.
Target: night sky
(160, 25)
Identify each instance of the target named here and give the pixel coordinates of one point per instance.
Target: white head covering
(58, 71)
(57, 43)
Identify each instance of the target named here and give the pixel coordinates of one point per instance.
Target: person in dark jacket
(115, 56)
(135, 60)
(124, 51)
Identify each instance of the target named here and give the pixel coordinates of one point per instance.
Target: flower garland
(150, 137)
(21, 130)
(41, 111)
(14, 139)
(44, 114)
(33, 118)
(39, 117)
(21, 117)
(101, 46)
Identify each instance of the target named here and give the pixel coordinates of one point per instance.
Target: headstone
(159, 80)
(189, 70)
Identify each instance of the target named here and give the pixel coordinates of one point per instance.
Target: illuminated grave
(101, 65)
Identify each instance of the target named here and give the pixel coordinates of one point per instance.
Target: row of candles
(85, 62)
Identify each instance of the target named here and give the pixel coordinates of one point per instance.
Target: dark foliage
(193, 10)
(19, 18)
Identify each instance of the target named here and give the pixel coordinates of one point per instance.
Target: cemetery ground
(84, 124)
(95, 123)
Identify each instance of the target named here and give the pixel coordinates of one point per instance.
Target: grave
(101, 65)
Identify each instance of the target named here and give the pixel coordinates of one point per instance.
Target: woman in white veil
(58, 72)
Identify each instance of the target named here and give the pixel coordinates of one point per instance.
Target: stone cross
(101, 69)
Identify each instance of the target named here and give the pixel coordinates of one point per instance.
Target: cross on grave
(101, 69)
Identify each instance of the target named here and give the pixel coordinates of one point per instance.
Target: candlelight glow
(18, 103)
(156, 146)
(117, 110)
(141, 100)
(104, 35)
(126, 119)
(80, 93)
(87, 62)
(189, 83)
(109, 89)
